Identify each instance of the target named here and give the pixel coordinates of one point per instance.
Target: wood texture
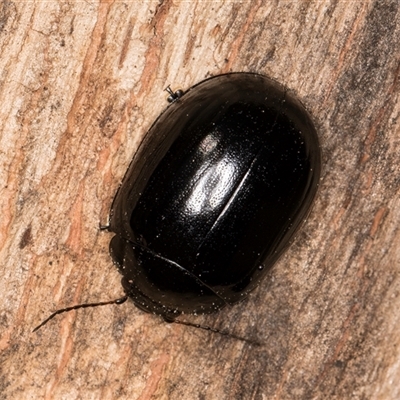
(80, 84)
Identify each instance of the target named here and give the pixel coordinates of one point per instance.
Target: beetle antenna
(214, 330)
(86, 305)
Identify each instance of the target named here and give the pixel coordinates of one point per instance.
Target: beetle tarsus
(173, 95)
(104, 227)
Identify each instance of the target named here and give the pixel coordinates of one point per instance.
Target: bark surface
(80, 84)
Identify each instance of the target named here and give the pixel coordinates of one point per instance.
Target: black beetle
(214, 195)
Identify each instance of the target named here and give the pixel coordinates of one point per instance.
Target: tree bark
(81, 83)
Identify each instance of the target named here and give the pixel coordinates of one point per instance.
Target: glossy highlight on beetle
(217, 189)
